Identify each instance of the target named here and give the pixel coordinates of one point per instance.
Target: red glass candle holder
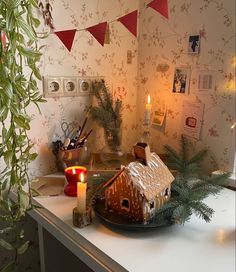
(73, 176)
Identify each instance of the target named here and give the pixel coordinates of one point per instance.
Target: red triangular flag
(67, 37)
(160, 6)
(130, 21)
(98, 31)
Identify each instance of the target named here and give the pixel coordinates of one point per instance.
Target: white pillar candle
(81, 195)
(147, 115)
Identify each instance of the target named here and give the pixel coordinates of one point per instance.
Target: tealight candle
(147, 116)
(81, 195)
(73, 176)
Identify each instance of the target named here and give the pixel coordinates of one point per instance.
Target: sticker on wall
(181, 80)
(194, 44)
(159, 114)
(192, 118)
(203, 82)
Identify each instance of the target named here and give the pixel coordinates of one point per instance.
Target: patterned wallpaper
(165, 41)
(161, 41)
(87, 58)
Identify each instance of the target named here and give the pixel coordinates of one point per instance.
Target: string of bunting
(99, 31)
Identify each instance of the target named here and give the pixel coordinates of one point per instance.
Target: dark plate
(115, 220)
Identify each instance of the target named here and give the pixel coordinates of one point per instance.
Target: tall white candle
(147, 115)
(81, 195)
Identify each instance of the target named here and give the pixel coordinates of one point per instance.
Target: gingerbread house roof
(151, 179)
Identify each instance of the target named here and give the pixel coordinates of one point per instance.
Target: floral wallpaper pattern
(165, 41)
(160, 41)
(87, 58)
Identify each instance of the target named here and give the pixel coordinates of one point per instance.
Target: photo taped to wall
(194, 44)
(181, 80)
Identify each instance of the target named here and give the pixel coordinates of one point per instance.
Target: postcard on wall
(192, 118)
(203, 82)
(159, 114)
(194, 44)
(181, 80)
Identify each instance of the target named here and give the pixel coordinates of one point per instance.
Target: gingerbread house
(139, 190)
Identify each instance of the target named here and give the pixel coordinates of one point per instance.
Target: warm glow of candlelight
(81, 197)
(147, 114)
(82, 177)
(233, 126)
(73, 171)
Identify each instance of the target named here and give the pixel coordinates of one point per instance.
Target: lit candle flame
(233, 126)
(149, 99)
(73, 171)
(82, 177)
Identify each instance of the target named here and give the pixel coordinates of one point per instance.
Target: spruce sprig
(190, 187)
(107, 113)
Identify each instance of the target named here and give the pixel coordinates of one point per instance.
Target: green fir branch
(190, 187)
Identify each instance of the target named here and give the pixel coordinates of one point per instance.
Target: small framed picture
(203, 82)
(181, 80)
(52, 86)
(69, 86)
(84, 86)
(194, 44)
(159, 115)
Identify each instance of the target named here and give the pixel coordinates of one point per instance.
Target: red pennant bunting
(67, 37)
(160, 6)
(130, 21)
(98, 31)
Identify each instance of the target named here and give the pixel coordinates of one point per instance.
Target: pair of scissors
(67, 129)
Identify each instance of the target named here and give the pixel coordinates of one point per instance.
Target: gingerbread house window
(152, 204)
(167, 192)
(125, 204)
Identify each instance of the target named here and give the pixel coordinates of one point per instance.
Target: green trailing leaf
(18, 91)
(27, 29)
(6, 245)
(9, 267)
(21, 250)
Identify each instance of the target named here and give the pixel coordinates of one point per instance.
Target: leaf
(33, 156)
(9, 267)
(22, 121)
(6, 245)
(27, 29)
(8, 157)
(23, 199)
(10, 20)
(21, 250)
(29, 53)
(8, 89)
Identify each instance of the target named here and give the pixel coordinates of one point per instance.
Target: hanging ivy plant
(19, 54)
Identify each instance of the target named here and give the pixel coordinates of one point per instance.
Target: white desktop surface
(196, 246)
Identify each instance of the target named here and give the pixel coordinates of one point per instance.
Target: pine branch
(190, 187)
(182, 214)
(184, 148)
(199, 156)
(201, 210)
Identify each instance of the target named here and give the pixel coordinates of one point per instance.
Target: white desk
(196, 246)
